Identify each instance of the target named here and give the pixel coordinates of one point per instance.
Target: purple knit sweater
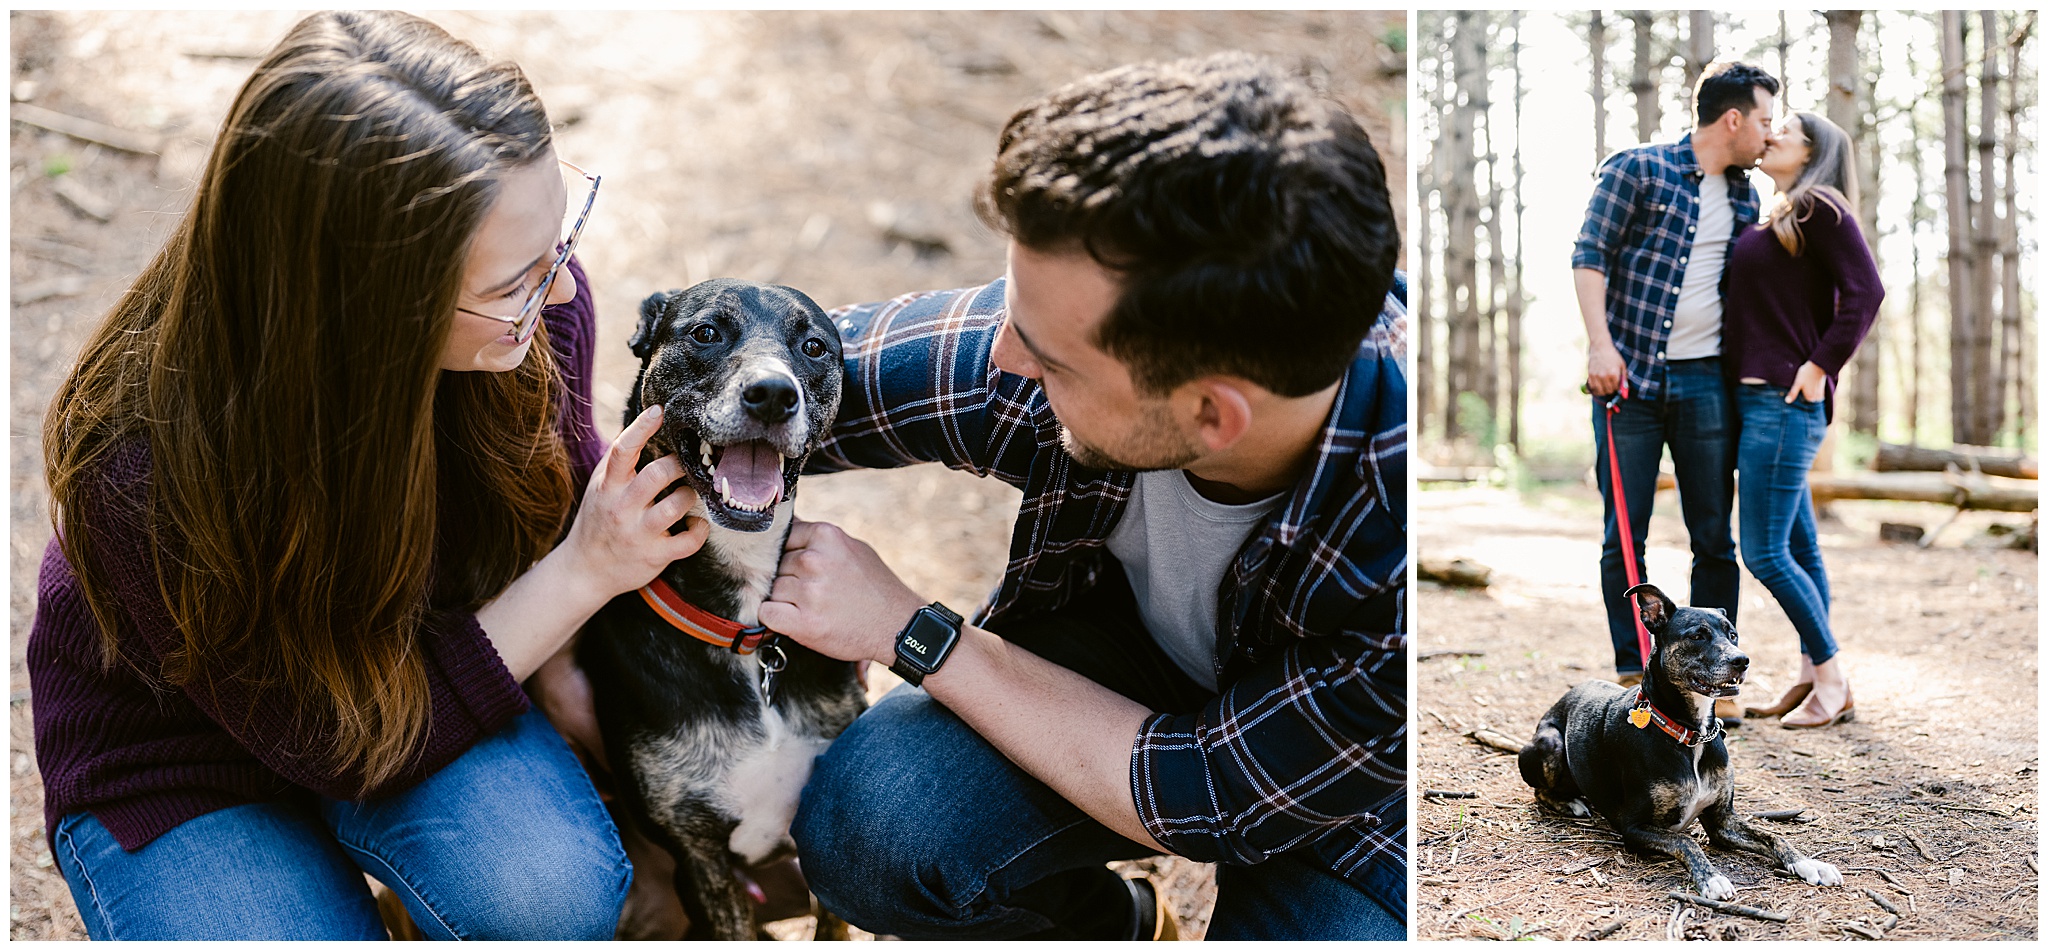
(1780, 311)
(143, 761)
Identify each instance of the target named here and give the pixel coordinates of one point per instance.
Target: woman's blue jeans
(1780, 545)
(508, 841)
(913, 825)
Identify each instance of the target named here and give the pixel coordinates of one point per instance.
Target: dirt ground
(835, 152)
(1928, 799)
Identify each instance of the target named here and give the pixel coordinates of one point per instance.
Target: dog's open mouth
(740, 483)
(1726, 688)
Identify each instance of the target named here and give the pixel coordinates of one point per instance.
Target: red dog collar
(699, 623)
(1643, 713)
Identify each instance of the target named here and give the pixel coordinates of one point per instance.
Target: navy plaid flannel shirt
(1639, 231)
(1306, 745)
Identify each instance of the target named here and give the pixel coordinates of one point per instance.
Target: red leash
(1621, 521)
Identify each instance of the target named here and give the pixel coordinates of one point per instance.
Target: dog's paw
(1816, 872)
(1577, 808)
(1719, 888)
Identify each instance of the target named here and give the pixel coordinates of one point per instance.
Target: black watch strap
(925, 642)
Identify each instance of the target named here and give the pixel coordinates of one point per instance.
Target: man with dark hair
(1192, 371)
(1648, 267)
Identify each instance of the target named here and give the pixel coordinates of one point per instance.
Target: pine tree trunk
(1699, 49)
(1648, 115)
(1461, 265)
(1784, 45)
(1429, 182)
(1515, 287)
(2014, 343)
(1596, 37)
(1989, 406)
(1956, 173)
(1845, 109)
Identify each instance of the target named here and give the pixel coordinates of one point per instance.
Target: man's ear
(1224, 414)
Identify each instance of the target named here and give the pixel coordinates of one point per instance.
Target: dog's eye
(704, 333)
(814, 348)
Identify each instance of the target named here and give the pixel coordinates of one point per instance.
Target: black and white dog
(712, 748)
(1652, 759)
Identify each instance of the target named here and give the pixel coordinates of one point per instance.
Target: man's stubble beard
(1154, 444)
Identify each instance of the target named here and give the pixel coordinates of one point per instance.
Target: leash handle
(1622, 524)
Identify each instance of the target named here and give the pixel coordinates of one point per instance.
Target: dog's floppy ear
(1655, 608)
(651, 310)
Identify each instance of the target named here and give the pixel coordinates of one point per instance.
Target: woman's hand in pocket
(1811, 384)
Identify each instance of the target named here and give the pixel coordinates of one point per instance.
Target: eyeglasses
(529, 312)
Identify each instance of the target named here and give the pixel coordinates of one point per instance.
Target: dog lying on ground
(711, 722)
(1651, 759)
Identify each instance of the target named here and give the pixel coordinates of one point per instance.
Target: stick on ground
(1729, 909)
(1881, 902)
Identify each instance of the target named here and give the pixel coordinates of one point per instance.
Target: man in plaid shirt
(1648, 271)
(1199, 640)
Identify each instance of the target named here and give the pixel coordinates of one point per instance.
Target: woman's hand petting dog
(621, 535)
(835, 596)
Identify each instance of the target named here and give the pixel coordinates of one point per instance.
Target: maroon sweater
(1780, 311)
(143, 761)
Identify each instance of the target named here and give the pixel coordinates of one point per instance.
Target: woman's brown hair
(317, 481)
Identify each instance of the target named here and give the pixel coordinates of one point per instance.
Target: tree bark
(1892, 457)
(2015, 341)
(1956, 172)
(1461, 266)
(1521, 253)
(1429, 182)
(1699, 50)
(1784, 45)
(1596, 37)
(1648, 111)
(1988, 401)
(1845, 109)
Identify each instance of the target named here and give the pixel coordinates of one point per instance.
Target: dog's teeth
(706, 447)
(725, 490)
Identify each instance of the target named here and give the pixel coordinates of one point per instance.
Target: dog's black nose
(770, 400)
(1739, 662)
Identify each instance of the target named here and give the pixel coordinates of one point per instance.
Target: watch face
(924, 641)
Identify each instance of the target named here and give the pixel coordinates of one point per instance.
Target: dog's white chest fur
(754, 776)
(762, 787)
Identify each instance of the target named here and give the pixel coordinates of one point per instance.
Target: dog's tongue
(752, 471)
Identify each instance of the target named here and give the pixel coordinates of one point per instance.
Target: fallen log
(1456, 572)
(1987, 492)
(1894, 457)
(85, 129)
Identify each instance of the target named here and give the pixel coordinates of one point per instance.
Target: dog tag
(1640, 717)
(773, 660)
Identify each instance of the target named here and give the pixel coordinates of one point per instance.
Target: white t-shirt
(1175, 546)
(1696, 321)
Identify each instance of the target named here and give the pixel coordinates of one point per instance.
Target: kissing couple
(1719, 328)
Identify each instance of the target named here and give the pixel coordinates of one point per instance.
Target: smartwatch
(924, 643)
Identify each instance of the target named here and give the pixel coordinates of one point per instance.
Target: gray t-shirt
(1175, 546)
(1696, 319)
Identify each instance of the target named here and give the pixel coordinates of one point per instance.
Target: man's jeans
(913, 825)
(508, 841)
(1779, 541)
(1694, 418)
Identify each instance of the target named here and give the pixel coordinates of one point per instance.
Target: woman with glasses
(316, 481)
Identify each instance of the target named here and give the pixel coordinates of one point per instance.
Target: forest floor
(1928, 799)
(834, 152)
